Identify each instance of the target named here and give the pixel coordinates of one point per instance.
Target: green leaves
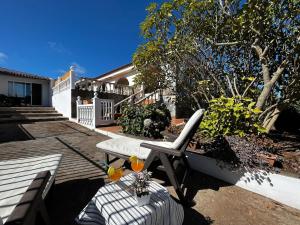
(231, 116)
(198, 43)
(146, 120)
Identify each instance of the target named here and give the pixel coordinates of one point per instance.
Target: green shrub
(231, 116)
(145, 120)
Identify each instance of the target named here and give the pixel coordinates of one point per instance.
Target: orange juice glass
(117, 174)
(137, 166)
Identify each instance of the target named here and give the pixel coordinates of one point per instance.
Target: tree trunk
(264, 95)
(271, 119)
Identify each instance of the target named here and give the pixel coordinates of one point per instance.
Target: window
(10, 88)
(19, 89)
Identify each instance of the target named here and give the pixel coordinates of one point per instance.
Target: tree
(227, 48)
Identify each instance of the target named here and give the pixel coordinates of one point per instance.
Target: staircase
(139, 98)
(29, 114)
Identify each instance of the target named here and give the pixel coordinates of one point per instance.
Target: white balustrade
(101, 112)
(62, 86)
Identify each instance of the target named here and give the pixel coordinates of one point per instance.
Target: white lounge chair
(24, 183)
(153, 151)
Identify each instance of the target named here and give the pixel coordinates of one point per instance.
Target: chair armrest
(169, 151)
(24, 212)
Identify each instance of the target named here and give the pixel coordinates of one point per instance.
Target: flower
(142, 182)
(147, 122)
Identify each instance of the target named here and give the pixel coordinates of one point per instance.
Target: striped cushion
(16, 176)
(114, 204)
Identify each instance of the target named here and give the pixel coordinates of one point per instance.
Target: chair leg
(44, 214)
(107, 159)
(172, 177)
(149, 160)
(187, 170)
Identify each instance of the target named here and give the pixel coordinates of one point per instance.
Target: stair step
(27, 111)
(29, 114)
(26, 108)
(32, 119)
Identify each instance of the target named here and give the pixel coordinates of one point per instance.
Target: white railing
(107, 87)
(85, 114)
(62, 86)
(131, 99)
(151, 98)
(101, 112)
(104, 111)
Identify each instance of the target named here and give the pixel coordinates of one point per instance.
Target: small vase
(142, 199)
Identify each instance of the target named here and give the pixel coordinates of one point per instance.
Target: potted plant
(141, 188)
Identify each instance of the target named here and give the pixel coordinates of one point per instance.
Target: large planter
(278, 187)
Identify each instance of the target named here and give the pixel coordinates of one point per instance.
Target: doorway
(36, 94)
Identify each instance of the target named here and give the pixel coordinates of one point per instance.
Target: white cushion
(130, 146)
(16, 176)
(187, 129)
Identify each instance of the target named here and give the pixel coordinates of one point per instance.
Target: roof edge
(113, 71)
(21, 74)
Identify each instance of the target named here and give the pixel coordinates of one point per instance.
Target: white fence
(62, 86)
(101, 112)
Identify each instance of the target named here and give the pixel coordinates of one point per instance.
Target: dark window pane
(28, 90)
(10, 88)
(19, 89)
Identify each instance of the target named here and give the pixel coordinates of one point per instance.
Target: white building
(25, 89)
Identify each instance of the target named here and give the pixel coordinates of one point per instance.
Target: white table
(114, 204)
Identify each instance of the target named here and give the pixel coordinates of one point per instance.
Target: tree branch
(261, 55)
(235, 86)
(267, 110)
(230, 86)
(196, 100)
(223, 43)
(279, 71)
(247, 88)
(226, 43)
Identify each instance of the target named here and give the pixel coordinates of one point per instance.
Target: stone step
(26, 111)
(29, 114)
(32, 119)
(40, 108)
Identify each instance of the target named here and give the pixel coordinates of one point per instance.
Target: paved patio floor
(80, 176)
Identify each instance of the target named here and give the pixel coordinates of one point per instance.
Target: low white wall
(277, 187)
(62, 102)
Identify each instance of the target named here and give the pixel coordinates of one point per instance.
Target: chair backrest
(188, 131)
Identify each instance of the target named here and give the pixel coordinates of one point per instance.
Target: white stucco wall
(45, 86)
(275, 186)
(62, 102)
(130, 77)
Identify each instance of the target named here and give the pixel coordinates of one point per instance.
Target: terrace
(80, 176)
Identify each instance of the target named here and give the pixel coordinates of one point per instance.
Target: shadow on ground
(67, 199)
(14, 132)
(191, 216)
(195, 183)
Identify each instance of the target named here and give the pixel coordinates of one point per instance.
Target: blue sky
(47, 36)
